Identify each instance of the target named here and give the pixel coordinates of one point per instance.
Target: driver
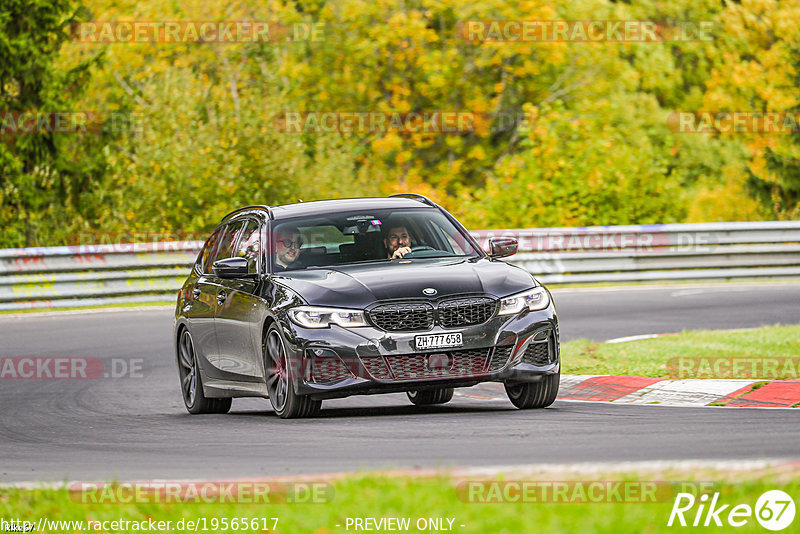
(287, 247)
(397, 242)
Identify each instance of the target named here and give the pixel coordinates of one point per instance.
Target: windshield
(365, 236)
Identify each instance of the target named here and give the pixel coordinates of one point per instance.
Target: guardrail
(47, 277)
(661, 252)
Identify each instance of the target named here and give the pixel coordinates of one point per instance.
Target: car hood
(360, 285)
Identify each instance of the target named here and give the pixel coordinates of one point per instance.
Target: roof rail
(415, 196)
(254, 206)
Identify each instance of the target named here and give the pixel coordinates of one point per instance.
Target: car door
(236, 305)
(202, 302)
(210, 290)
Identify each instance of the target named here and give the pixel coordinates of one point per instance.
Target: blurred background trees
(569, 133)
(43, 177)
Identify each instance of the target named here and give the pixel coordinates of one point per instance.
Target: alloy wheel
(188, 368)
(277, 370)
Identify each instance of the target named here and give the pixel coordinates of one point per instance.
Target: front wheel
(427, 397)
(541, 394)
(280, 373)
(192, 383)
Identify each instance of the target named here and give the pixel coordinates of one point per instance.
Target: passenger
(287, 247)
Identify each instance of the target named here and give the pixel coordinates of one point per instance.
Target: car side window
(208, 250)
(249, 246)
(227, 241)
(450, 244)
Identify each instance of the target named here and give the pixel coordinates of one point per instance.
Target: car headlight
(533, 299)
(313, 317)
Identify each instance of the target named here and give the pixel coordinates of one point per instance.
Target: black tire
(192, 381)
(426, 397)
(279, 376)
(541, 394)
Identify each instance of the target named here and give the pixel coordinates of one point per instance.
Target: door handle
(221, 296)
(196, 293)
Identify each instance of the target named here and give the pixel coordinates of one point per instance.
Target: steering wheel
(418, 248)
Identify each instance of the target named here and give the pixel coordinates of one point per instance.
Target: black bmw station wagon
(318, 300)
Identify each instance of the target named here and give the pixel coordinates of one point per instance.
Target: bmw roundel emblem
(429, 291)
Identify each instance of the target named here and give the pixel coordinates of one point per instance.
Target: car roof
(322, 207)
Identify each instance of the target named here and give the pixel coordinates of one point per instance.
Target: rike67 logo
(774, 510)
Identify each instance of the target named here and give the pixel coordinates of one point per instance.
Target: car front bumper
(338, 362)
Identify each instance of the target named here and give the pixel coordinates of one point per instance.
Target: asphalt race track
(136, 428)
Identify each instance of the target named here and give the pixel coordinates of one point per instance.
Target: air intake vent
(540, 352)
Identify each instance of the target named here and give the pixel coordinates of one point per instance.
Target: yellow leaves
(402, 157)
(453, 142)
(729, 202)
(386, 144)
(477, 153)
(437, 81)
(401, 90)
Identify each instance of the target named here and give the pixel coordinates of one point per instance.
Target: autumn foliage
(562, 132)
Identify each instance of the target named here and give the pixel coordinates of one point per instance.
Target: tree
(40, 179)
(757, 70)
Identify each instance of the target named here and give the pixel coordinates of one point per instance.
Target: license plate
(438, 341)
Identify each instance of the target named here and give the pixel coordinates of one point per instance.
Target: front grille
(328, 370)
(538, 353)
(445, 364)
(500, 357)
(453, 313)
(466, 311)
(402, 317)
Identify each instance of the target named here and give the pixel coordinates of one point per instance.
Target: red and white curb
(644, 390)
(688, 392)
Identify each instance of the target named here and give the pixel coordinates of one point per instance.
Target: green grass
(658, 357)
(379, 496)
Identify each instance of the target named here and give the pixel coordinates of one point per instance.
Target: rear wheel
(192, 383)
(280, 374)
(427, 397)
(539, 394)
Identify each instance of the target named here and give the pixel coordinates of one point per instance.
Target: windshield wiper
(334, 265)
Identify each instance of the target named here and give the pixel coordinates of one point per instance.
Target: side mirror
(231, 268)
(501, 247)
